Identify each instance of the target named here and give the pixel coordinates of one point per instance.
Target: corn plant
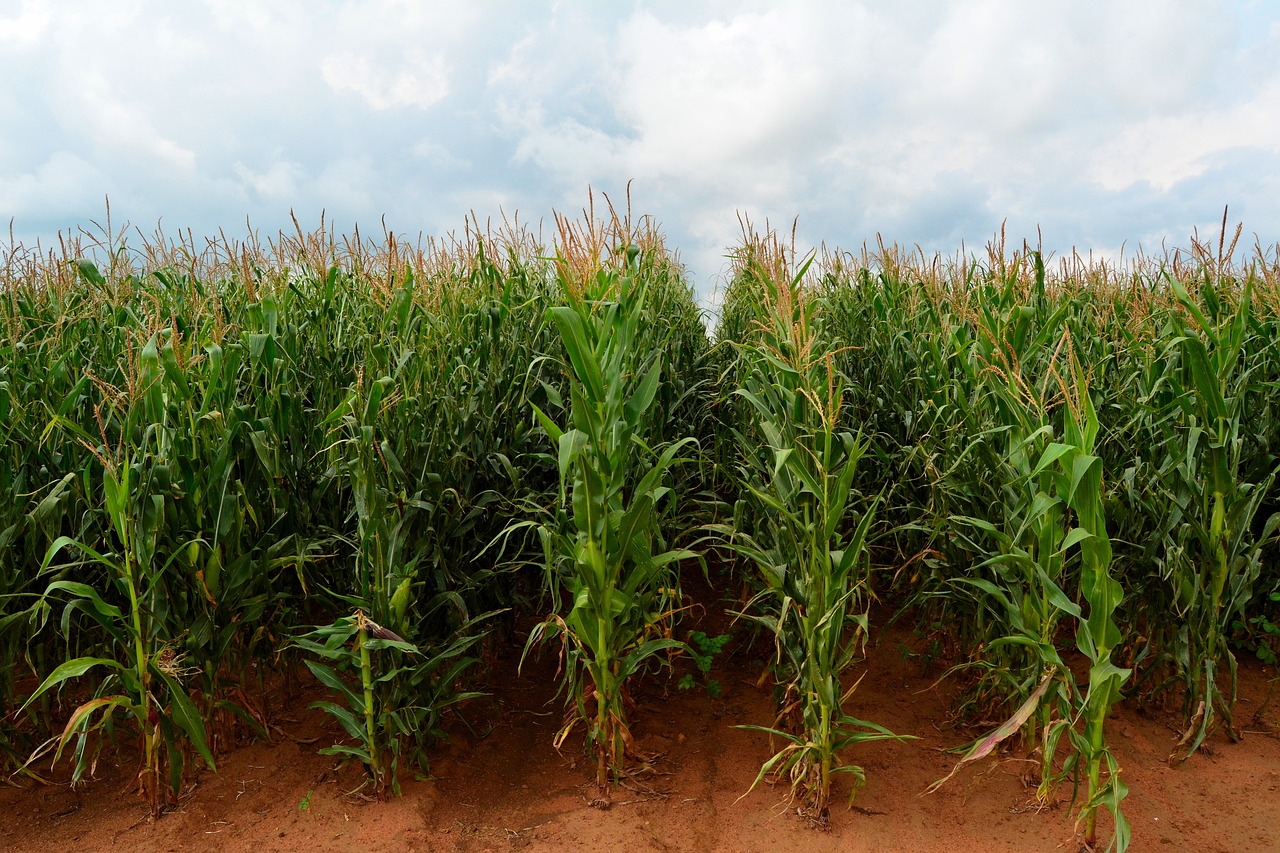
(402, 696)
(1067, 484)
(1051, 516)
(232, 580)
(1026, 589)
(1212, 557)
(603, 549)
(814, 564)
(1064, 511)
(145, 665)
(1097, 634)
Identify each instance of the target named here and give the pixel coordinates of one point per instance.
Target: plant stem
(366, 681)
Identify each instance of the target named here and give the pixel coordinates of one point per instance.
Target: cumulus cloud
(1095, 122)
(1166, 150)
(278, 181)
(27, 26)
(63, 181)
(413, 81)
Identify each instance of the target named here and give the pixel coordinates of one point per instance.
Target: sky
(1097, 125)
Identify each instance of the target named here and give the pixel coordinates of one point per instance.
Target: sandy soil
(500, 785)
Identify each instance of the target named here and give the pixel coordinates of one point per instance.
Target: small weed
(704, 650)
(1262, 635)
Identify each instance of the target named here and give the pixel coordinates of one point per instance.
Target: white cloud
(28, 26)
(440, 157)
(415, 81)
(1166, 150)
(278, 182)
(125, 129)
(61, 183)
(349, 184)
(702, 99)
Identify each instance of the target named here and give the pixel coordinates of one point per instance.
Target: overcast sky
(928, 122)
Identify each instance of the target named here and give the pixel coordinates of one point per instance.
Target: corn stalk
(1212, 555)
(604, 550)
(815, 570)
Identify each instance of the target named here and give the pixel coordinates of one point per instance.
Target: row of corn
(229, 463)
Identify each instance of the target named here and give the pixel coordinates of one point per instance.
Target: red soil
(504, 787)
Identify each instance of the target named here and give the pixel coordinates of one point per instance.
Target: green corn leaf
(70, 669)
(334, 682)
(642, 397)
(1052, 453)
(184, 714)
(583, 358)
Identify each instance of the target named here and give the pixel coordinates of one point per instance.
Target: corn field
(348, 460)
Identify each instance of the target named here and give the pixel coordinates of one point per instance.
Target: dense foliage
(353, 459)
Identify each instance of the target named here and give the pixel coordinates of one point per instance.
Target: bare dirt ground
(498, 784)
